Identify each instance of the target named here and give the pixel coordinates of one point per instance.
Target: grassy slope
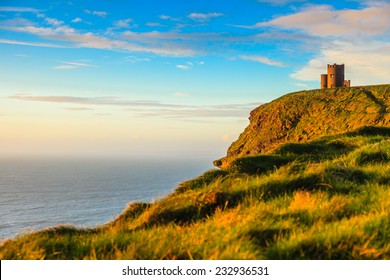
(325, 199)
(306, 115)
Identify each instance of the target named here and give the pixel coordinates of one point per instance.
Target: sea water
(40, 193)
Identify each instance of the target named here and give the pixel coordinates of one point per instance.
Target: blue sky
(177, 78)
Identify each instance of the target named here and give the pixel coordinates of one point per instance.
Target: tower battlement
(334, 77)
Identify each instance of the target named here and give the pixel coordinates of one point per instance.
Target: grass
(324, 199)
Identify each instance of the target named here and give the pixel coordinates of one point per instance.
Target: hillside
(306, 115)
(325, 198)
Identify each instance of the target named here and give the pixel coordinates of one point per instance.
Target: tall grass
(326, 199)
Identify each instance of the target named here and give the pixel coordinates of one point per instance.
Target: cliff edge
(306, 115)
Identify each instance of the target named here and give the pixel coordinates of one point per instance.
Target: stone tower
(335, 77)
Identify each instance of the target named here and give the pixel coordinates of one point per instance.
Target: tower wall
(324, 81)
(339, 75)
(332, 75)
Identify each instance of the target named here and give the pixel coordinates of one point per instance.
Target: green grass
(324, 199)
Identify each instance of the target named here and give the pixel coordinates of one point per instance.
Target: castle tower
(335, 77)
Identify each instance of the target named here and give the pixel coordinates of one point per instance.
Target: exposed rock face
(306, 115)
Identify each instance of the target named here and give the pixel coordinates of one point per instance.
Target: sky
(169, 78)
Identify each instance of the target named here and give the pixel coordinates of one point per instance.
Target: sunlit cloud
(356, 37)
(366, 62)
(325, 21)
(262, 59)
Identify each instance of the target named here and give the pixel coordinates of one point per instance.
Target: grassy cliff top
(306, 115)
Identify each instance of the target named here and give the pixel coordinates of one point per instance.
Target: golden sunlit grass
(333, 206)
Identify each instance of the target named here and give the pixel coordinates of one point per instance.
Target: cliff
(305, 115)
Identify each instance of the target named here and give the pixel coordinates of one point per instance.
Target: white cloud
(124, 23)
(204, 17)
(135, 59)
(72, 65)
(165, 17)
(262, 59)
(53, 21)
(18, 9)
(366, 62)
(154, 24)
(77, 20)
(324, 21)
(183, 66)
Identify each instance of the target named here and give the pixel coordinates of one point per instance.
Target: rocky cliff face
(306, 115)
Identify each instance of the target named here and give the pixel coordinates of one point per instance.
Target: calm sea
(36, 194)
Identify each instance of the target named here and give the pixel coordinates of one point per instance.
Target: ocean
(41, 193)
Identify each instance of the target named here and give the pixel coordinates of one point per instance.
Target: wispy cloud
(18, 9)
(166, 17)
(183, 66)
(240, 111)
(72, 65)
(102, 14)
(124, 23)
(33, 44)
(71, 38)
(279, 2)
(142, 108)
(204, 17)
(79, 109)
(188, 65)
(262, 59)
(76, 20)
(135, 59)
(106, 101)
(53, 21)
